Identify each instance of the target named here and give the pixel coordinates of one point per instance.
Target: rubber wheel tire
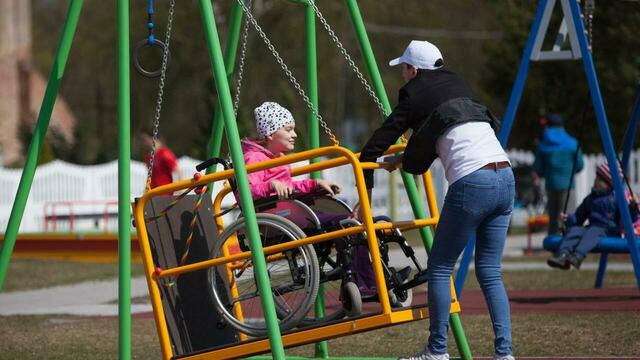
(351, 299)
(396, 303)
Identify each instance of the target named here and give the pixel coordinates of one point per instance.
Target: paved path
(91, 298)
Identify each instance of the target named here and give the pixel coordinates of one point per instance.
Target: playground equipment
(57, 214)
(159, 279)
(579, 39)
(615, 245)
(250, 341)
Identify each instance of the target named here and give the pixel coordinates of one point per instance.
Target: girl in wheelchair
(275, 126)
(343, 265)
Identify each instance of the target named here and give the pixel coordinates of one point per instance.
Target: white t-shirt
(467, 147)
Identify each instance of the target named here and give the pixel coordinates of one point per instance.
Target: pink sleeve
(259, 187)
(305, 186)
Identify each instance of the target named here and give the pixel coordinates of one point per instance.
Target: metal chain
(289, 74)
(243, 53)
(163, 72)
(347, 57)
(589, 7)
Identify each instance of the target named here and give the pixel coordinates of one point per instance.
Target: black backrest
(193, 321)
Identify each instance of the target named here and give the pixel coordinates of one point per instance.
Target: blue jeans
(480, 203)
(580, 240)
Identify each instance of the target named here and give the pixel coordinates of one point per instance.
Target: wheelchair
(296, 274)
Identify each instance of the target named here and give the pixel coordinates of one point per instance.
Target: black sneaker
(560, 261)
(575, 260)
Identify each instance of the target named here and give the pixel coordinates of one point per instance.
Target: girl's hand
(329, 186)
(356, 213)
(282, 190)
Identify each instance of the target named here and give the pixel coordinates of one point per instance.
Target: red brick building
(21, 86)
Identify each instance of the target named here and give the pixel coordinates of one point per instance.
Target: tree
(561, 86)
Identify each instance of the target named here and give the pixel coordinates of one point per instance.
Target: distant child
(165, 164)
(276, 135)
(601, 209)
(554, 161)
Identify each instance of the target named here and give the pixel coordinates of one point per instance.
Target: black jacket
(429, 104)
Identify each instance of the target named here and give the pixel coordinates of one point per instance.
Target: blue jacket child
(554, 158)
(554, 161)
(602, 211)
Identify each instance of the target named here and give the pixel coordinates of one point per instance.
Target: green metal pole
(378, 86)
(29, 170)
(312, 79)
(409, 181)
(231, 48)
(124, 183)
(322, 347)
(233, 138)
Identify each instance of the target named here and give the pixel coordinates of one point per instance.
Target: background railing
(86, 191)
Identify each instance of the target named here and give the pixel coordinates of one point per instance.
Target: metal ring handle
(136, 62)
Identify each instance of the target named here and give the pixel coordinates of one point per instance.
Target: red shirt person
(165, 164)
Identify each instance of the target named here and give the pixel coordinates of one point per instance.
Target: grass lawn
(26, 274)
(560, 334)
(66, 337)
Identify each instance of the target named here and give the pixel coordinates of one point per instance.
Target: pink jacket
(260, 181)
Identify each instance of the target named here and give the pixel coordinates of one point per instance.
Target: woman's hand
(282, 190)
(391, 163)
(329, 186)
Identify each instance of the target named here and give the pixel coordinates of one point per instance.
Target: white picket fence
(60, 188)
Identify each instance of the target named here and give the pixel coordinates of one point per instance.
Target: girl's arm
(305, 186)
(260, 188)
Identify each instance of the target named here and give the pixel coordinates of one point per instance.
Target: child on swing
(276, 135)
(602, 211)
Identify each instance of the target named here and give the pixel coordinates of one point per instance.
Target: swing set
(177, 234)
(578, 28)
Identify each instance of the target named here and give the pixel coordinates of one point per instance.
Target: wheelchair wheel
(293, 274)
(396, 300)
(351, 299)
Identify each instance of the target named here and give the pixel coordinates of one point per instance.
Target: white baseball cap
(420, 54)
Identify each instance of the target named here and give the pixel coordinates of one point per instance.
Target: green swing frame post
(124, 182)
(39, 134)
(240, 170)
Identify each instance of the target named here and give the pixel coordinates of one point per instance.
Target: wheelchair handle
(215, 160)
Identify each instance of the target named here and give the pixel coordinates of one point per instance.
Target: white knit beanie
(270, 117)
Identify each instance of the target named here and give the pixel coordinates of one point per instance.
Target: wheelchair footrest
(403, 274)
(418, 279)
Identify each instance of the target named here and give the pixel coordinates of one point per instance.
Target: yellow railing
(341, 156)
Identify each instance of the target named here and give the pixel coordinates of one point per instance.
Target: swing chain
(243, 53)
(348, 58)
(150, 38)
(163, 72)
(289, 74)
(589, 8)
